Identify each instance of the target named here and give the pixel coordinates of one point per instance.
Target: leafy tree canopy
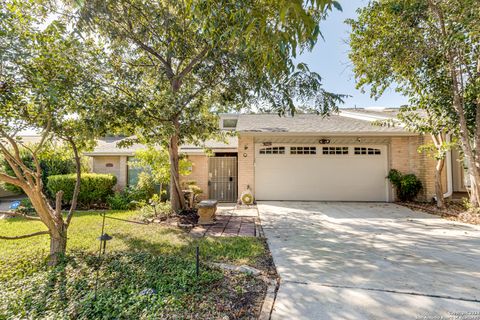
(51, 82)
(177, 64)
(156, 162)
(430, 49)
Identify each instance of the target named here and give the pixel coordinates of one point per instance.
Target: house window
(229, 123)
(303, 150)
(272, 150)
(132, 172)
(368, 151)
(335, 150)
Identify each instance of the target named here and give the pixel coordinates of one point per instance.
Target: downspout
(449, 170)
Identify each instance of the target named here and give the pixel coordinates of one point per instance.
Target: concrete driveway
(371, 261)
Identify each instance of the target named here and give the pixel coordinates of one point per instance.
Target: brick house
(343, 157)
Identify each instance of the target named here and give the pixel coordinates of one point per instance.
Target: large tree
(46, 85)
(180, 63)
(431, 50)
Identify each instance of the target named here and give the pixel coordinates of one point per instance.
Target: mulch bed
(266, 264)
(454, 211)
(186, 219)
(237, 296)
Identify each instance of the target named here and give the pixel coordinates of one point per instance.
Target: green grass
(138, 257)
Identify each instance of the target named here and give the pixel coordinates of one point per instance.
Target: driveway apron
(371, 261)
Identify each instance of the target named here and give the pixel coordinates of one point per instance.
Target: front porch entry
(222, 178)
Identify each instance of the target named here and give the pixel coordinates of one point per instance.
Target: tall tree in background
(180, 63)
(431, 49)
(46, 85)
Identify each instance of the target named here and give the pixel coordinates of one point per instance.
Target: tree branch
(58, 206)
(197, 59)
(12, 180)
(17, 214)
(145, 47)
(14, 161)
(16, 157)
(46, 131)
(11, 162)
(76, 191)
(25, 236)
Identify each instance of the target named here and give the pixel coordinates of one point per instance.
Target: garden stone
(243, 268)
(148, 292)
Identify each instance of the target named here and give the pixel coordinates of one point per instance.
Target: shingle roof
(229, 143)
(109, 146)
(311, 123)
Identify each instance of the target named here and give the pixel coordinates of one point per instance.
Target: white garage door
(320, 172)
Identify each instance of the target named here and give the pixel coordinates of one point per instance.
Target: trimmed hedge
(94, 187)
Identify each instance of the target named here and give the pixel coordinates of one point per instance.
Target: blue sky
(330, 59)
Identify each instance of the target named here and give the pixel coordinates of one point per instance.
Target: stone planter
(206, 211)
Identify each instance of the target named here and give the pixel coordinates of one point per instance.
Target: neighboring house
(342, 157)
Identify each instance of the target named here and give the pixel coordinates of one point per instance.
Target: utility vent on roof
(335, 150)
(303, 150)
(364, 150)
(272, 150)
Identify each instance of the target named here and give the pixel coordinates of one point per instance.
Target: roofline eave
(331, 134)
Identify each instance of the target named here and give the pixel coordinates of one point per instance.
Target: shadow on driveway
(370, 261)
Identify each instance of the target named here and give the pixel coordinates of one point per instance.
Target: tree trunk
(58, 245)
(469, 145)
(176, 195)
(438, 184)
(475, 190)
(54, 222)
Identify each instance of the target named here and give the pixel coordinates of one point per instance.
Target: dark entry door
(222, 178)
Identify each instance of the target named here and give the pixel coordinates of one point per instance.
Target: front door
(222, 178)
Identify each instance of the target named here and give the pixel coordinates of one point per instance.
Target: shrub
(128, 199)
(54, 160)
(146, 185)
(155, 208)
(195, 192)
(119, 201)
(94, 188)
(407, 186)
(26, 207)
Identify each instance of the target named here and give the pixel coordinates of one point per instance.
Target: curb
(269, 301)
(428, 210)
(259, 230)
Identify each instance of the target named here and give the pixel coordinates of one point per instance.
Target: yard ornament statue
(247, 197)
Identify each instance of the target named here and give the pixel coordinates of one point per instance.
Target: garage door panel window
(335, 150)
(272, 150)
(303, 150)
(367, 151)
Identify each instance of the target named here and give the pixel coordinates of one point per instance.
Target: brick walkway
(227, 226)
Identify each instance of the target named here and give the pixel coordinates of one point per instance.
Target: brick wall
(199, 173)
(246, 164)
(405, 157)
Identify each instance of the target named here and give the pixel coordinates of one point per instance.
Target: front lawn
(148, 258)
